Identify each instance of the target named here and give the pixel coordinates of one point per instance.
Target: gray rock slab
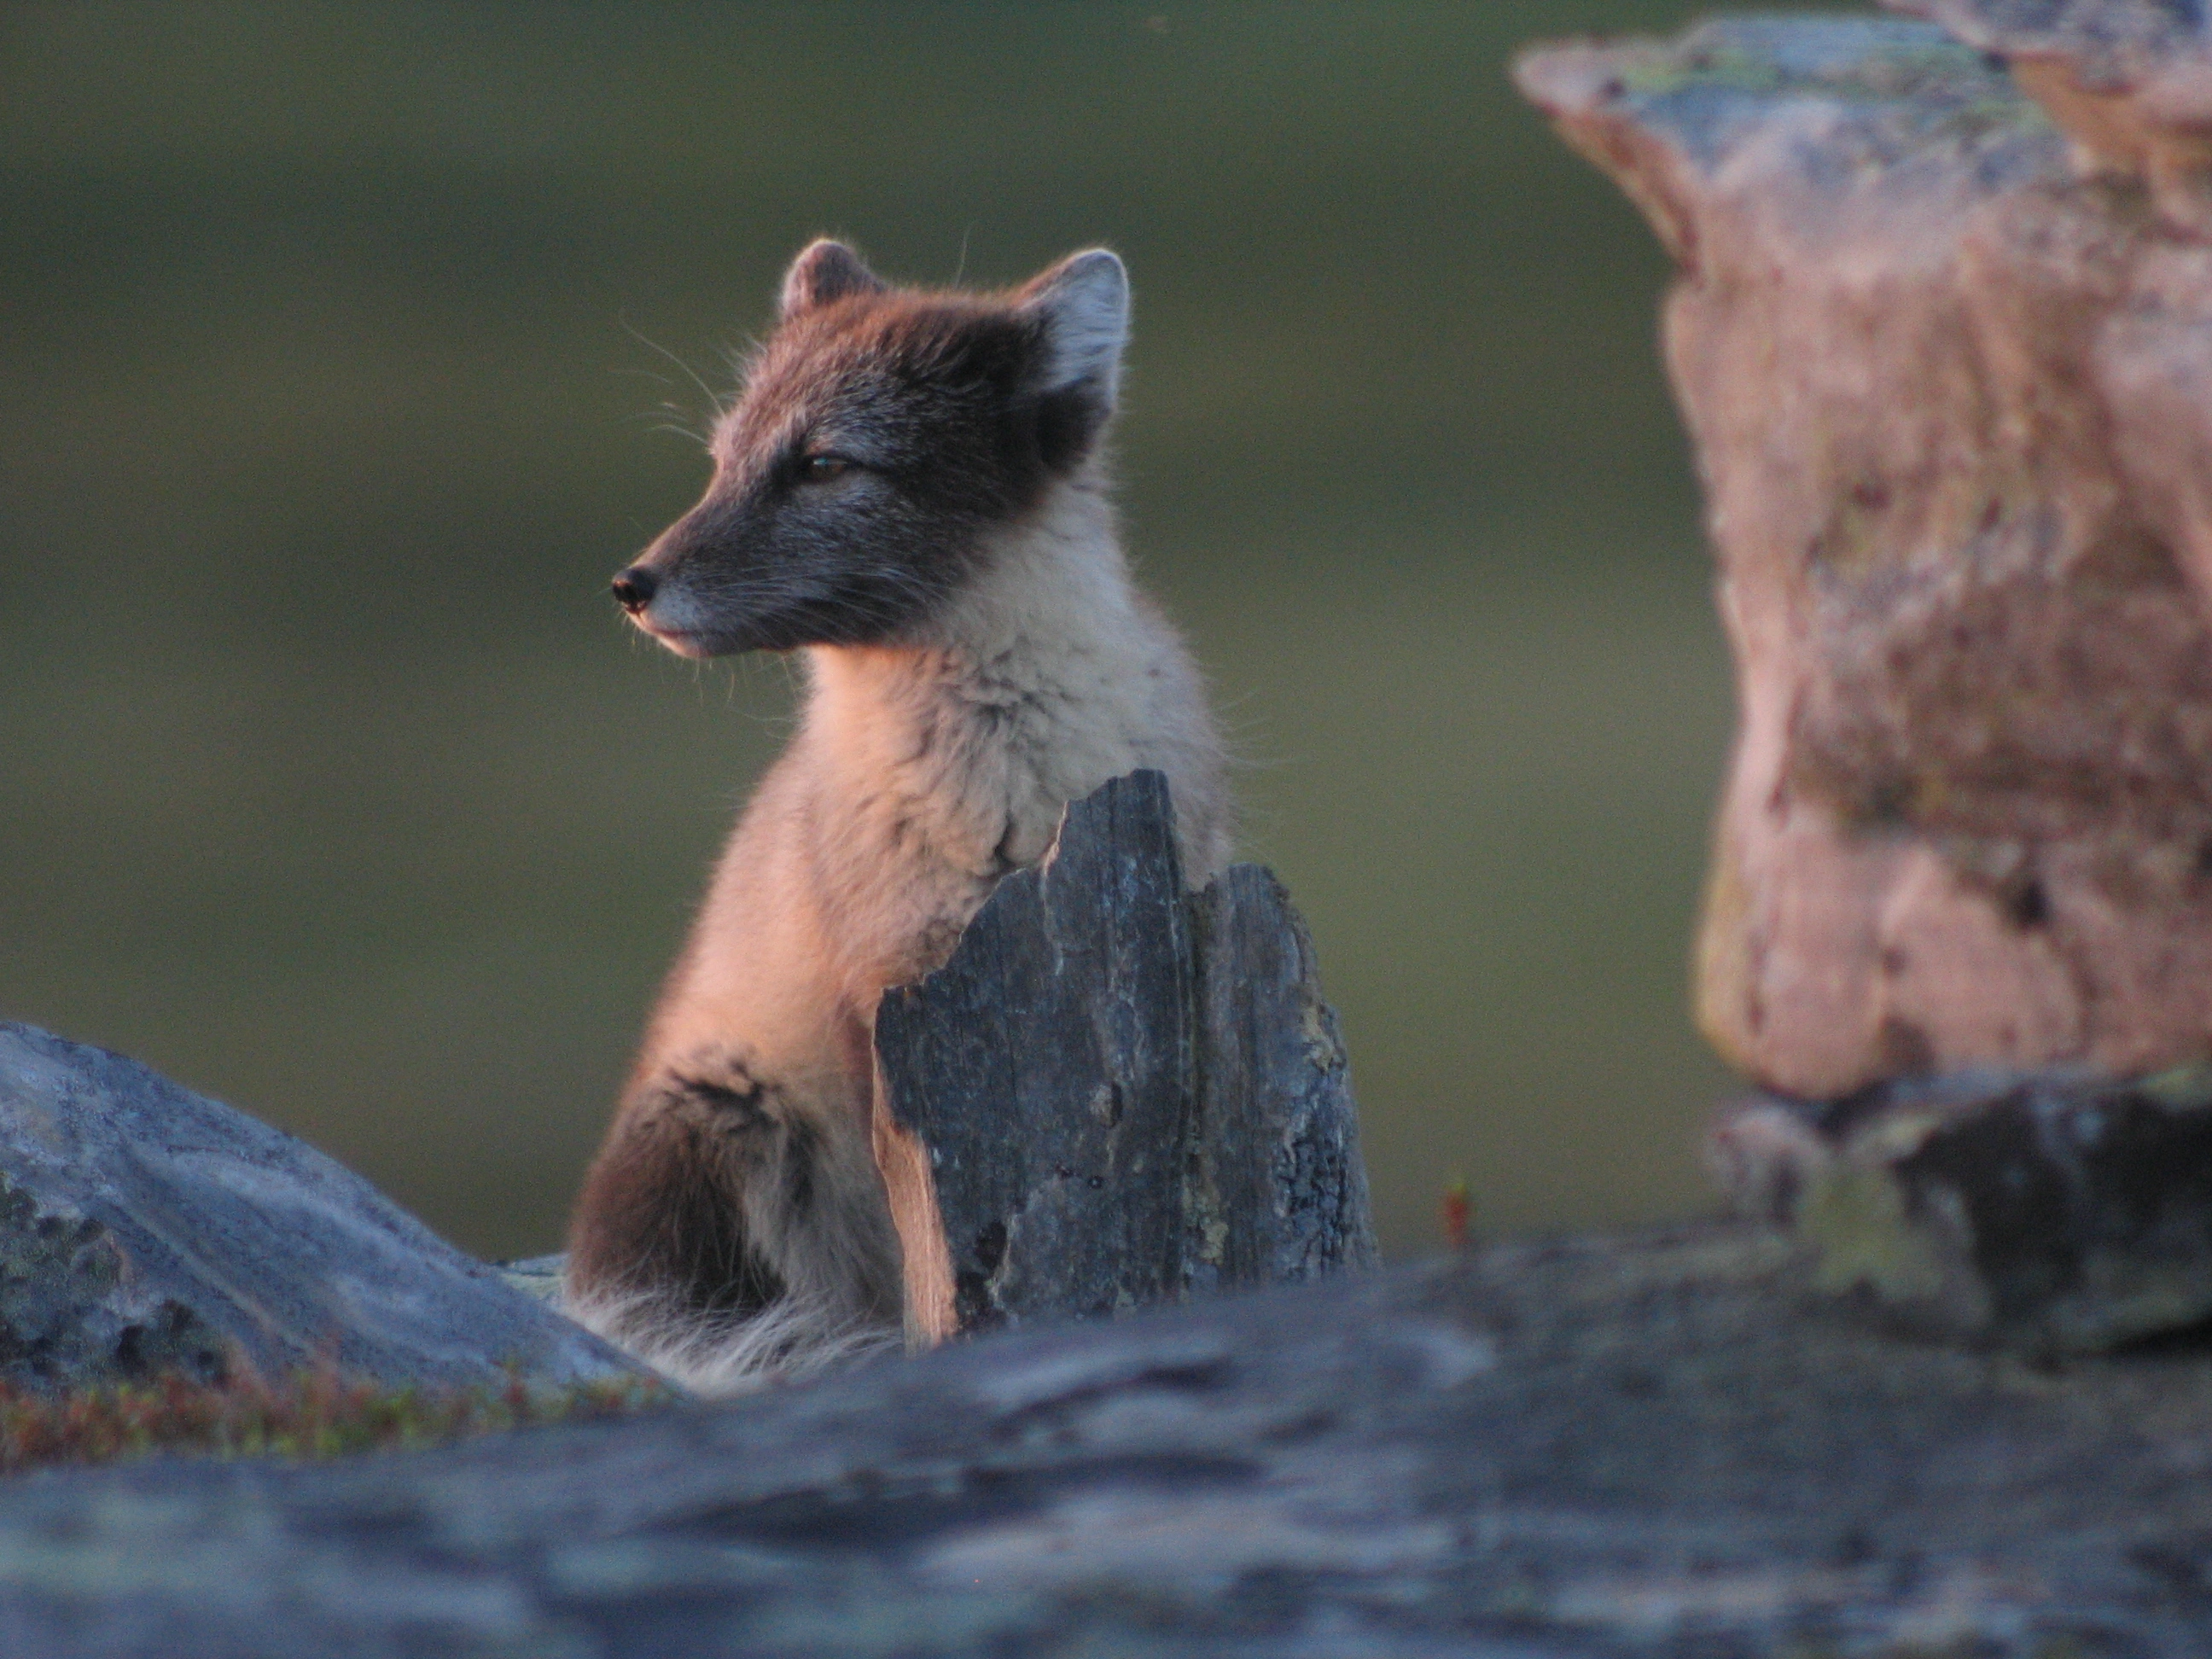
(1653, 1445)
(1276, 1191)
(143, 1227)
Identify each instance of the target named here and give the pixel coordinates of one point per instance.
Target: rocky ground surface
(1652, 1445)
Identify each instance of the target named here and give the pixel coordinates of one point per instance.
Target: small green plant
(315, 1412)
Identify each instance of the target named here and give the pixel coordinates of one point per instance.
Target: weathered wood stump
(1117, 1092)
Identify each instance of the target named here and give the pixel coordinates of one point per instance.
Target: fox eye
(818, 469)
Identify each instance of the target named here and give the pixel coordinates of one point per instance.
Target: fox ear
(1084, 304)
(825, 270)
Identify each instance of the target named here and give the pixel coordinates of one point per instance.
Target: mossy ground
(314, 1414)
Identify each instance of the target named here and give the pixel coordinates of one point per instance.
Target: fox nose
(634, 588)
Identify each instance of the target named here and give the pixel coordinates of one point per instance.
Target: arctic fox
(910, 493)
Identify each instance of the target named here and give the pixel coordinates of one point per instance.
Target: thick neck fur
(1046, 675)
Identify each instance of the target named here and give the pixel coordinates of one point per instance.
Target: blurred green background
(338, 363)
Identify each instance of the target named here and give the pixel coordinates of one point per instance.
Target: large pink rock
(1949, 378)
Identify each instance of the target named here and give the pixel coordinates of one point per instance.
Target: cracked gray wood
(1116, 1092)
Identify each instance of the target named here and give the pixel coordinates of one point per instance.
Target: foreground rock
(2045, 1212)
(1646, 1445)
(145, 1228)
(1952, 400)
(1116, 1092)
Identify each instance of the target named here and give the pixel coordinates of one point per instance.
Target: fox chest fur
(908, 493)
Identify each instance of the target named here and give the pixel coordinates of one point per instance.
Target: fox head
(881, 434)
